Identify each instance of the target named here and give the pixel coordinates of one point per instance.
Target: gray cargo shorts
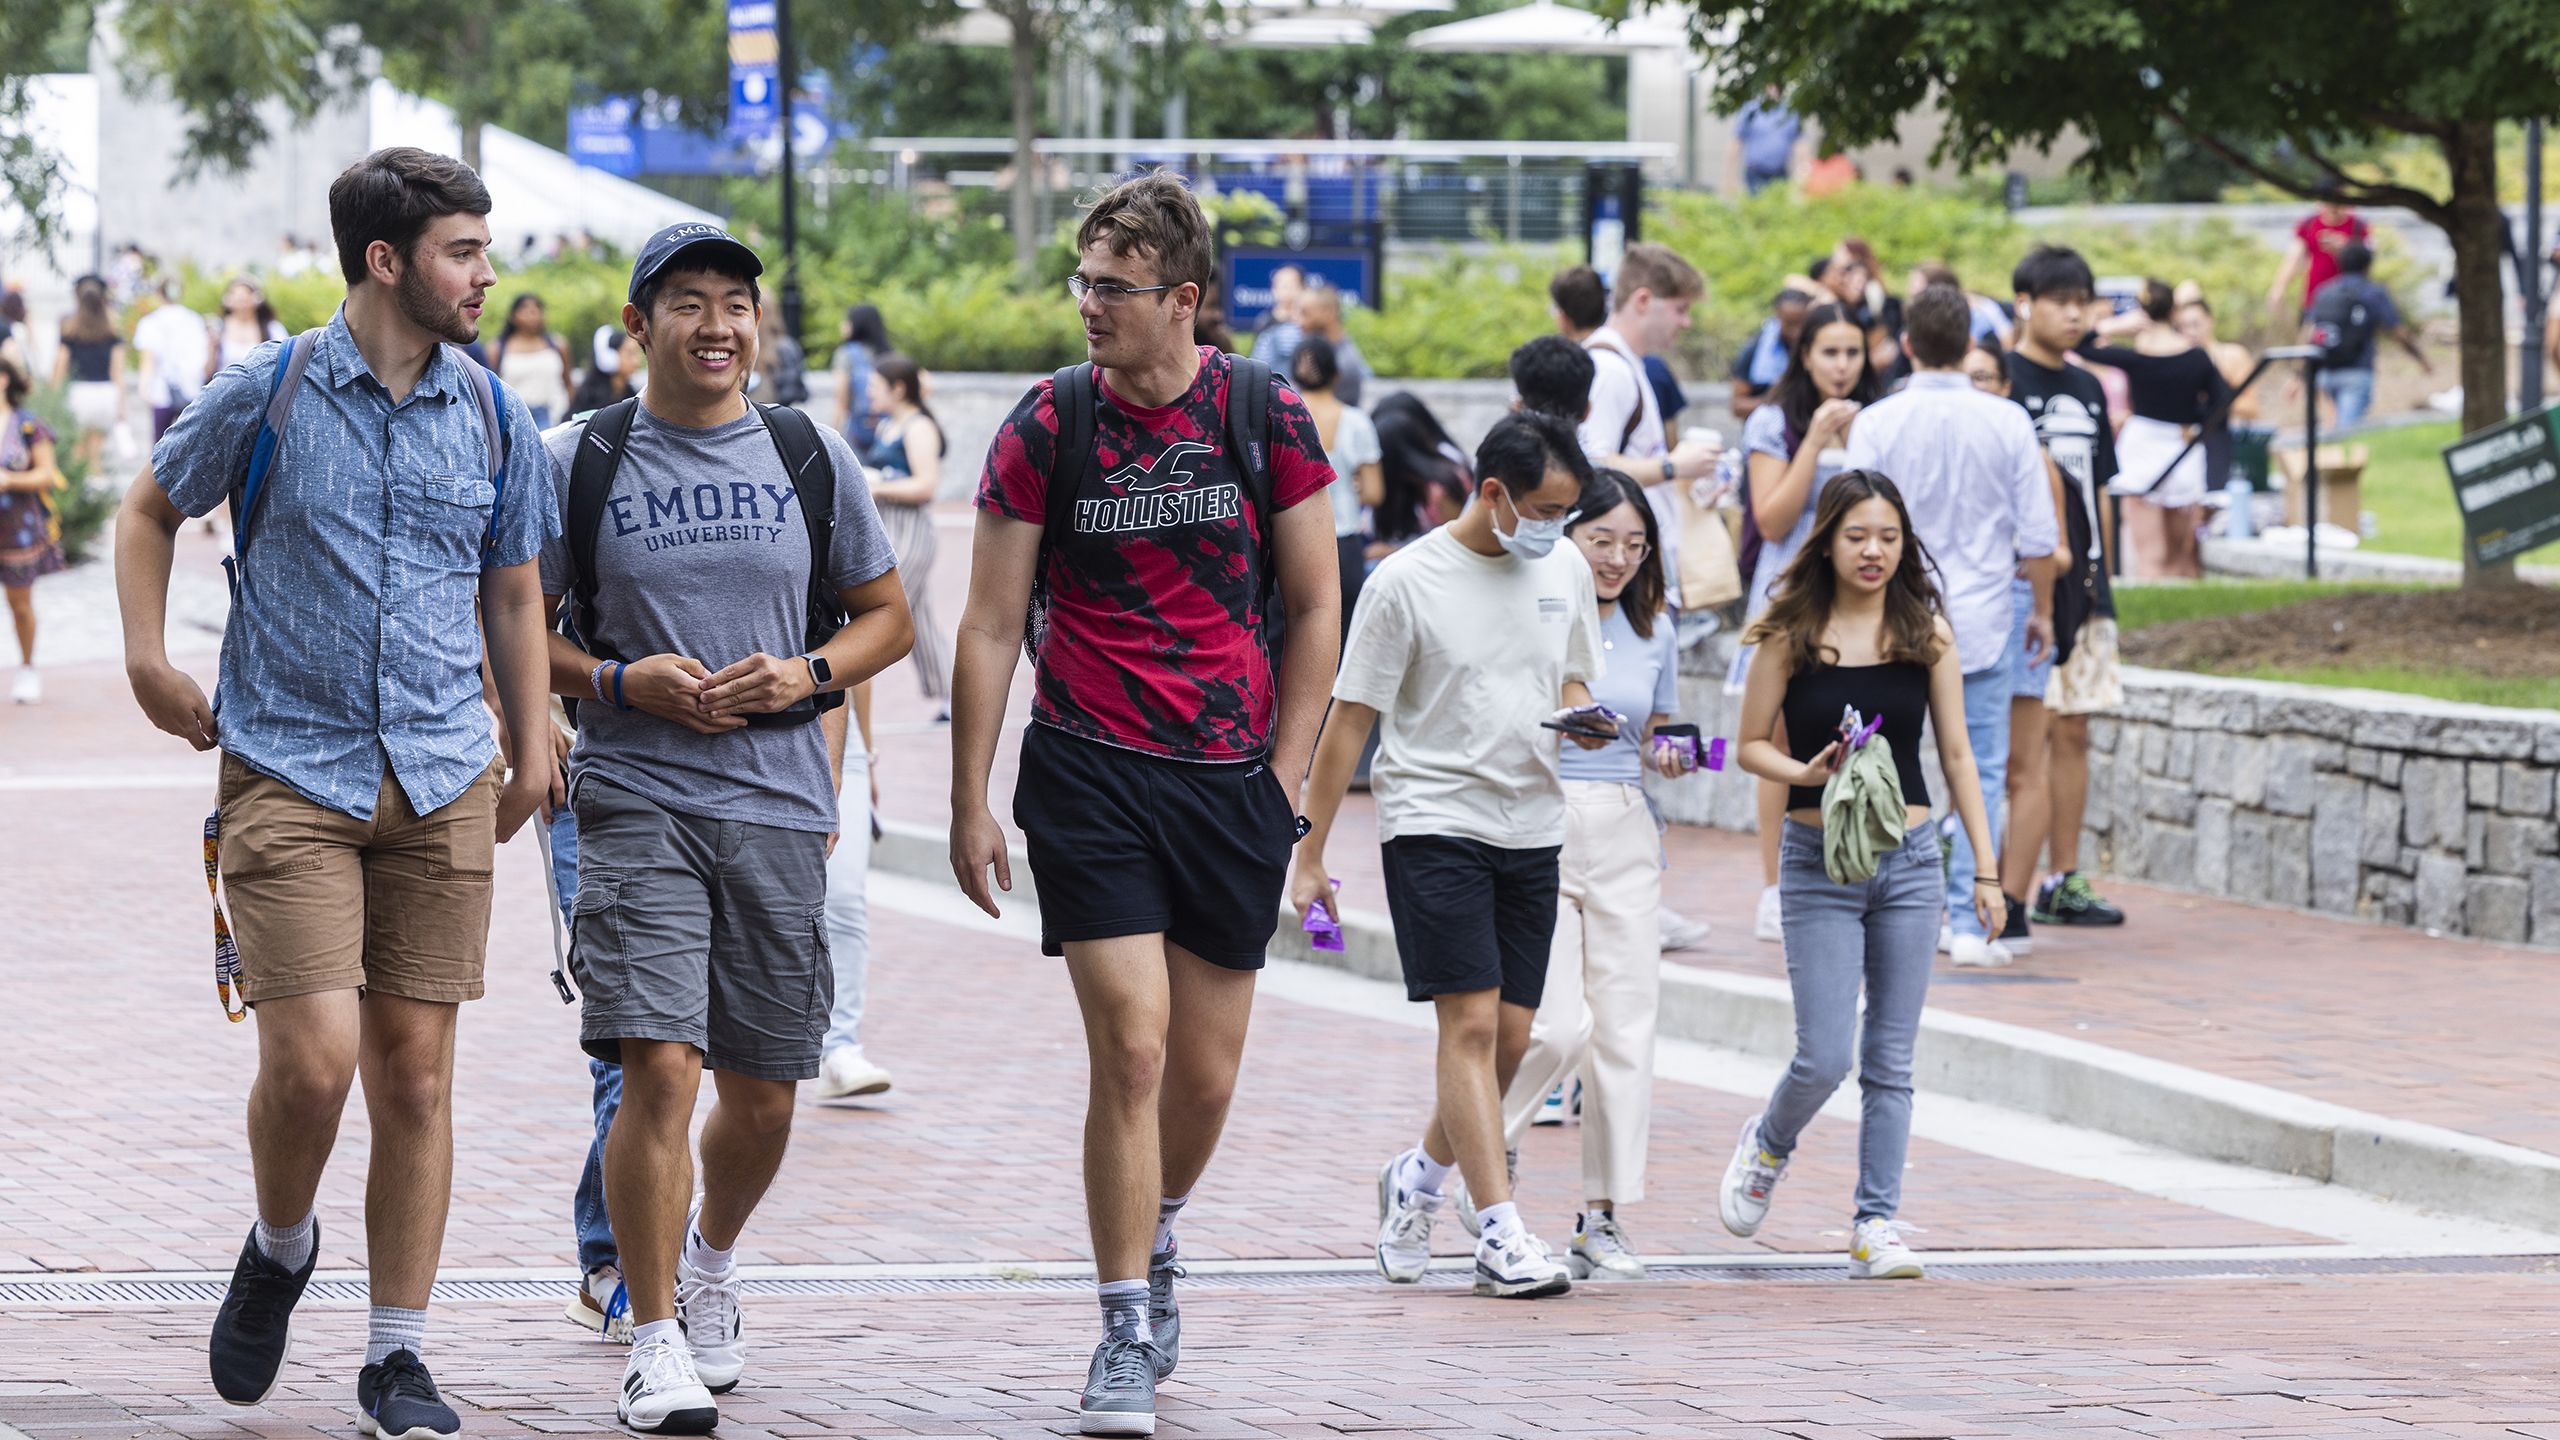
(708, 932)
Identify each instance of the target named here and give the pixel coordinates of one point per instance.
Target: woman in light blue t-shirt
(1792, 445)
(1604, 973)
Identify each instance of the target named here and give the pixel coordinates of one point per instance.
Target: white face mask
(1529, 539)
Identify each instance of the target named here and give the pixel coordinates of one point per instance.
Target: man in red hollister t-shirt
(1160, 774)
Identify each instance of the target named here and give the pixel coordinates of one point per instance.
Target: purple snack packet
(1324, 932)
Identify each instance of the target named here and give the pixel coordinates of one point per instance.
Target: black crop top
(1812, 709)
(2179, 389)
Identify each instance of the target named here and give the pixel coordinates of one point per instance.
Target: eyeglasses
(1108, 293)
(1631, 550)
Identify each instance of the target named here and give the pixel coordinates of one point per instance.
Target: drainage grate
(16, 1291)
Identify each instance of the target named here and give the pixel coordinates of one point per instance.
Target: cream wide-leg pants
(1604, 987)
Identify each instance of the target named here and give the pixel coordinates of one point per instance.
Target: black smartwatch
(1670, 472)
(820, 672)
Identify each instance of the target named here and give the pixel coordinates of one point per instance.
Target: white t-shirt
(1462, 655)
(1355, 443)
(1618, 390)
(179, 345)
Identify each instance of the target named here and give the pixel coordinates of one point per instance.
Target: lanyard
(551, 884)
(226, 951)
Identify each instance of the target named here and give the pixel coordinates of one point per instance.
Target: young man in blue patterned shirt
(361, 794)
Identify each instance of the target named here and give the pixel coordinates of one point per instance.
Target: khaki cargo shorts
(324, 901)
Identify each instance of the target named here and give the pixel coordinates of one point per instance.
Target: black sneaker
(2014, 933)
(397, 1399)
(1164, 1313)
(254, 1328)
(2069, 899)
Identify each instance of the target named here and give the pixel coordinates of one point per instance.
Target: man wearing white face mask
(1464, 643)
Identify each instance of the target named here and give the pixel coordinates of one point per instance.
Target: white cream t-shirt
(1462, 655)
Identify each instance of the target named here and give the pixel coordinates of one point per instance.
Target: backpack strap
(490, 393)
(813, 479)
(282, 389)
(1077, 402)
(591, 473)
(1249, 442)
(1635, 417)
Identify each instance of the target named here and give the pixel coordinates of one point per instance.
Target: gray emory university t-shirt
(703, 551)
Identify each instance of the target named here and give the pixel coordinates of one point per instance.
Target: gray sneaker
(1164, 1313)
(1120, 1389)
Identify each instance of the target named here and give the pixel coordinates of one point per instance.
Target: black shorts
(1471, 916)
(1128, 844)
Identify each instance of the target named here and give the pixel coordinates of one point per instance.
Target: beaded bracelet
(595, 681)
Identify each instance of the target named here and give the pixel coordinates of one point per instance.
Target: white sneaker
(1601, 1252)
(1946, 938)
(1876, 1251)
(847, 1072)
(1516, 1265)
(707, 1308)
(1551, 1111)
(1976, 952)
(1750, 1182)
(1769, 921)
(28, 688)
(1679, 932)
(602, 1305)
(662, 1394)
(1404, 1226)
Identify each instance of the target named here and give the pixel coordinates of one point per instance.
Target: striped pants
(910, 531)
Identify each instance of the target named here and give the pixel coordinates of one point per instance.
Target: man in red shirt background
(2316, 243)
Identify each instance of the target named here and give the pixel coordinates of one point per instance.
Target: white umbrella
(1549, 28)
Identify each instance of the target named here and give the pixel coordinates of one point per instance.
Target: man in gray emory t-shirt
(699, 920)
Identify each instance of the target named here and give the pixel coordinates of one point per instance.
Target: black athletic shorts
(1128, 844)
(1471, 916)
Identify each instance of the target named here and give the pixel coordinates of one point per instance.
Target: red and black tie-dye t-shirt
(1154, 639)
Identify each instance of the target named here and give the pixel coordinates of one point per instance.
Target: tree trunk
(470, 139)
(1026, 165)
(2479, 243)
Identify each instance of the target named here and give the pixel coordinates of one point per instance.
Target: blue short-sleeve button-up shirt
(353, 646)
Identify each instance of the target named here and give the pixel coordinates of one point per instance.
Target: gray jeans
(1884, 933)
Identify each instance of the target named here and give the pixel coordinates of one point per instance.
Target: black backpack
(813, 477)
(2342, 323)
(1078, 402)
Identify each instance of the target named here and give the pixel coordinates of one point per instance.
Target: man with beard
(394, 493)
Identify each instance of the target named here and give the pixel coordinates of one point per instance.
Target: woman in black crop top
(2175, 388)
(1855, 622)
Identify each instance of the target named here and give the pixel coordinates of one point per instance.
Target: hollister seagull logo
(1160, 494)
(1141, 476)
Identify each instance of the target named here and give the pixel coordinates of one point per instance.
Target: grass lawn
(2406, 488)
(2538, 692)
(2139, 606)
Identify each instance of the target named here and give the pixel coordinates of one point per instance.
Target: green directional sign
(2507, 481)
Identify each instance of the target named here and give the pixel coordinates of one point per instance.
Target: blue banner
(755, 71)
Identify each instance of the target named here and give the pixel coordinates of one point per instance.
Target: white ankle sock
(1168, 1210)
(391, 1328)
(699, 1254)
(647, 1331)
(290, 1245)
(1496, 1221)
(1423, 1173)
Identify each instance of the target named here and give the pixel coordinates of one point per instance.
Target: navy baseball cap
(663, 248)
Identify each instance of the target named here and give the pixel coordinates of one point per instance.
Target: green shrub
(1461, 315)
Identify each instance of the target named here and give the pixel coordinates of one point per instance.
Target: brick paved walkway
(125, 1150)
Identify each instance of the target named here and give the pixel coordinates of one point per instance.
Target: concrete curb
(2094, 1087)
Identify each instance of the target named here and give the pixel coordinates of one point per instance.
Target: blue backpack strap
(282, 389)
(491, 395)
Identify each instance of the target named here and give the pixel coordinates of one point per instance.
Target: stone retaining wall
(2390, 808)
